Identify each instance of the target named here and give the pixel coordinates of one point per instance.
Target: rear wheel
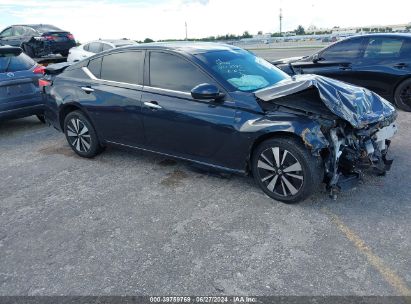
(80, 135)
(285, 170)
(64, 54)
(402, 95)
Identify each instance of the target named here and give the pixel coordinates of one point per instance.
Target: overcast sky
(161, 19)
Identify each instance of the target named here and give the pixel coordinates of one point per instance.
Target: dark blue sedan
(19, 85)
(222, 107)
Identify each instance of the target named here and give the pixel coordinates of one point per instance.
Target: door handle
(400, 65)
(152, 104)
(88, 90)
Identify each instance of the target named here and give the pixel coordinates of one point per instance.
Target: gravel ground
(131, 223)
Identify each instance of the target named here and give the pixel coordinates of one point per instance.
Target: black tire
(288, 162)
(64, 54)
(81, 135)
(41, 118)
(28, 50)
(402, 95)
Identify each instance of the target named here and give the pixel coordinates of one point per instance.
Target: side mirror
(206, 91)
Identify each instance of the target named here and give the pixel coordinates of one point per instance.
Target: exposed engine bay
(354, 125)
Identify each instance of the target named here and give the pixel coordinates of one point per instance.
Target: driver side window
(171, 72)
(7, 32)
(346, 49)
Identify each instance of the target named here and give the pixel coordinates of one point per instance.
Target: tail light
(48, 37)
(39, 69)
(70, 36)
(44, 83)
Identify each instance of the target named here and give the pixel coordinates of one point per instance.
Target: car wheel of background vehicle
(402, 95)
(64, 54)
(28, 50)
(80, 135)
(285, 170)
(41, 118)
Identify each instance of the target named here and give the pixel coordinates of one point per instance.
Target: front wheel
(285, 170)
(402, 95)
(80, 135)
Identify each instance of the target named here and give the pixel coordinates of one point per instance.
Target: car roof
(113, 41)
(118, 41)
(398, 35)
(38, 26)
(185, 46)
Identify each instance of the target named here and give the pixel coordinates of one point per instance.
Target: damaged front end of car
(354, 125)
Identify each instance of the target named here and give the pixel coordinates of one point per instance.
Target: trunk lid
(57, 36)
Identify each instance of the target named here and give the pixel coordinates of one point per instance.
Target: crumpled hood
(354, 104)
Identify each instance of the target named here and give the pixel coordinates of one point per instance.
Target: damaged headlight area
(356, 123)
(353, 150)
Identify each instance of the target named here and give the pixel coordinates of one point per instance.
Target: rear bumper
(43, 48)
(22, 112)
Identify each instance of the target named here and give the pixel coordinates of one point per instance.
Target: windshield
(243, 70)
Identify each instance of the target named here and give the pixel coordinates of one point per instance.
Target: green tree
(300, 30)
(148, 40)
(246, 34)
(276, 35)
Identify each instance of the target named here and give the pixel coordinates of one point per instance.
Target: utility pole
(281, 21)
(186, 30)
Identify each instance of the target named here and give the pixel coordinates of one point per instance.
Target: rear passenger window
(380, 48)
(171, 72)
(123, 67)
(94, 67)
(94, 47)
(106, 47)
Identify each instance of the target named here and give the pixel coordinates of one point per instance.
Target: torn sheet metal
(357, 105)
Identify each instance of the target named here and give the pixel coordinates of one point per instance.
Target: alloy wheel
(280, 171)
(78, 135)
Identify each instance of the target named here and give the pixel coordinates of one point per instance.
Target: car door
(338, 61)
(112, 96)
(7, 36)
(175, 122)
(385, 61)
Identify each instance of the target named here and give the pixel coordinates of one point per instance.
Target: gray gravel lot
(131, 223)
